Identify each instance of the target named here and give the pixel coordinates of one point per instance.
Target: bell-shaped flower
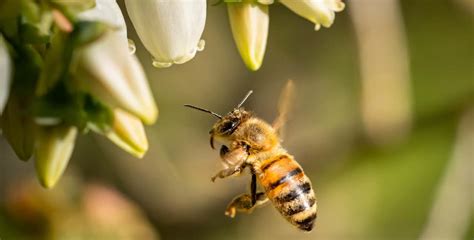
(170, 29)
(107, 11)
(5, 74)
(320, 12)
(117, 77)
(128, 133)
(249, 22)
(54, 146)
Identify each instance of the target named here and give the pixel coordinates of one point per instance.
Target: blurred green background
(383, 124)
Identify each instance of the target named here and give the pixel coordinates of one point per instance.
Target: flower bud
(170, 29)
(320, 12)
(18, 127)
(116, 77)
(54, 146)
(249, 22)
(128, 133)
(5, 74)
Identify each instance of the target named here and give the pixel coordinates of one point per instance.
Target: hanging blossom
(170, 29)
(319, 12)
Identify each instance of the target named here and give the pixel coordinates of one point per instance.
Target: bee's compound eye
(228, 126)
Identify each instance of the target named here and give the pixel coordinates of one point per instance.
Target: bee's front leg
(227, 172)
(234, 160)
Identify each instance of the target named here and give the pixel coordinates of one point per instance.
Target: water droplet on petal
(317, 27)
(131, 46)
(201, 45)
(159, 64)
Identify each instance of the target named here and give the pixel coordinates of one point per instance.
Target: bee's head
(226, 125)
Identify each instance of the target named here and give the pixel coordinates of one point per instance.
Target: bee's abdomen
(290, 190)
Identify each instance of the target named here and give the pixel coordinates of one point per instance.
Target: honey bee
(251, 142)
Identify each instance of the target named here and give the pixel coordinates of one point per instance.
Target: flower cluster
(67, 67)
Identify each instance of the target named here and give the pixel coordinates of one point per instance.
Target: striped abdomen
(290, 190)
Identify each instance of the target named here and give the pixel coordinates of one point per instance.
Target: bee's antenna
(204, 110)
(245, 99)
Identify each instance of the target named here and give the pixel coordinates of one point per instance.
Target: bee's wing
(284, 104)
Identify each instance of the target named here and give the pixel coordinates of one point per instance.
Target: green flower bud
(18, 128)
(249, 22)
(54, 146)
(128, 133)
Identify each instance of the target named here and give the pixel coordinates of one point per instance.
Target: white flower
(109, 12)
(249, 23)
(5, 74)
(320, 12)
(170, 29)
(116, 77)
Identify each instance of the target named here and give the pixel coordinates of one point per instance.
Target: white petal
(5, 74)
(170, 29)
(320, 12)
(107, 11)
(118, 78)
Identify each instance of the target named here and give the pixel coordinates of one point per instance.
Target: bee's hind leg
(243, 203)
(247, 202)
